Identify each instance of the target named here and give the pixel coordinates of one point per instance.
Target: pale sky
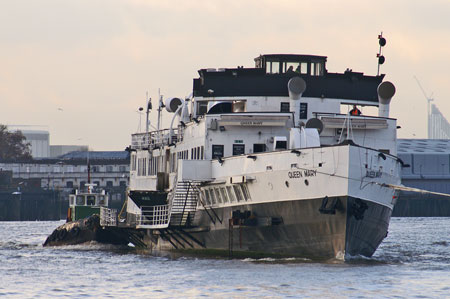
(82, 68)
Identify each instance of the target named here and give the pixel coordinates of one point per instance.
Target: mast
(149, 108)
(88, 167)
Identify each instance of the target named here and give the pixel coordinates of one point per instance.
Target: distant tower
(438, 126)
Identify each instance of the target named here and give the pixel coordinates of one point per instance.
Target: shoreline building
(109, 170)
(429, 169)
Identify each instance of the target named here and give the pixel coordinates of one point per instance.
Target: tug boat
(86, 209)
(262, 162)
(85, 204)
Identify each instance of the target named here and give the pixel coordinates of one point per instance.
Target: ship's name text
(299, 174)
(251, 123)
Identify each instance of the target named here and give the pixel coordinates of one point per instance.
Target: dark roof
(241, 82)
(109, 155)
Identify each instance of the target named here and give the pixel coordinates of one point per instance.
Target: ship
(267, 161)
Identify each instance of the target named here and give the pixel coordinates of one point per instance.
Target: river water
(413, 262)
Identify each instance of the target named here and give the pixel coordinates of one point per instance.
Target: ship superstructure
(262, 161)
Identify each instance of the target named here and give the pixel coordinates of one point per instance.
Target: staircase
(184, 204)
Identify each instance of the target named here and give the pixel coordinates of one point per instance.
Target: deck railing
(155, 138)
(154, 217)
(108, 217)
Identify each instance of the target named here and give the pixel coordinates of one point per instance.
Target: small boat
(85, 204)
(83, 221)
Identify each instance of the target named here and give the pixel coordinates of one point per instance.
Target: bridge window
(91, 200)
(291, 67)
(80, 200)
(272, 67)
(316, 69)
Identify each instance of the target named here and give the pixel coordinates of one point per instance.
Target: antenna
(429, 100)
(160, 106)
(149, 108)
(381, 59)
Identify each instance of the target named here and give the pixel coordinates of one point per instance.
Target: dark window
(109, 184)
(284, 107)
(97, 183)
(259, 147)
(281, 144)
(69, 184)
(82, 184)
(238, 149)
(123, 183)
(202, 107)
(303, 110)
(217, 151)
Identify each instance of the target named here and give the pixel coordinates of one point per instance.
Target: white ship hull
(323, 202)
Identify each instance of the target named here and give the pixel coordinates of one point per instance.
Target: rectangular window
(217, 151)
(133, 162)
(284, 107)
(202, 152)
(303, 110)
(245, 192)
(291, 67)
(212, 196)
(202, 108)
(280, 145)
(206, 197)
(259, 147)
(218, 197)
(238, 149)
(275, 67)
(237, 191)
(304, 68)
(230, 194)
(223, 192)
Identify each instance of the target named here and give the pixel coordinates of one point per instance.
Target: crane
(429, 100)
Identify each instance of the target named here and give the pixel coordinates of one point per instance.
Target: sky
(81, 69)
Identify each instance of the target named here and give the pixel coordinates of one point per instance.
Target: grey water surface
(412, 262)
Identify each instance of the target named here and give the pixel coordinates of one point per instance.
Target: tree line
(13, 145)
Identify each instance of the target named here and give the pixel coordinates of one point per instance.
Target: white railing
(154, 217)
(108, 217)
(154, 138)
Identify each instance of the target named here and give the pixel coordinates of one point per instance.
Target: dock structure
(429, 169)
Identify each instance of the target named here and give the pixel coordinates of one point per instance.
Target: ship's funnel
(296, 87)
(386, 91)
